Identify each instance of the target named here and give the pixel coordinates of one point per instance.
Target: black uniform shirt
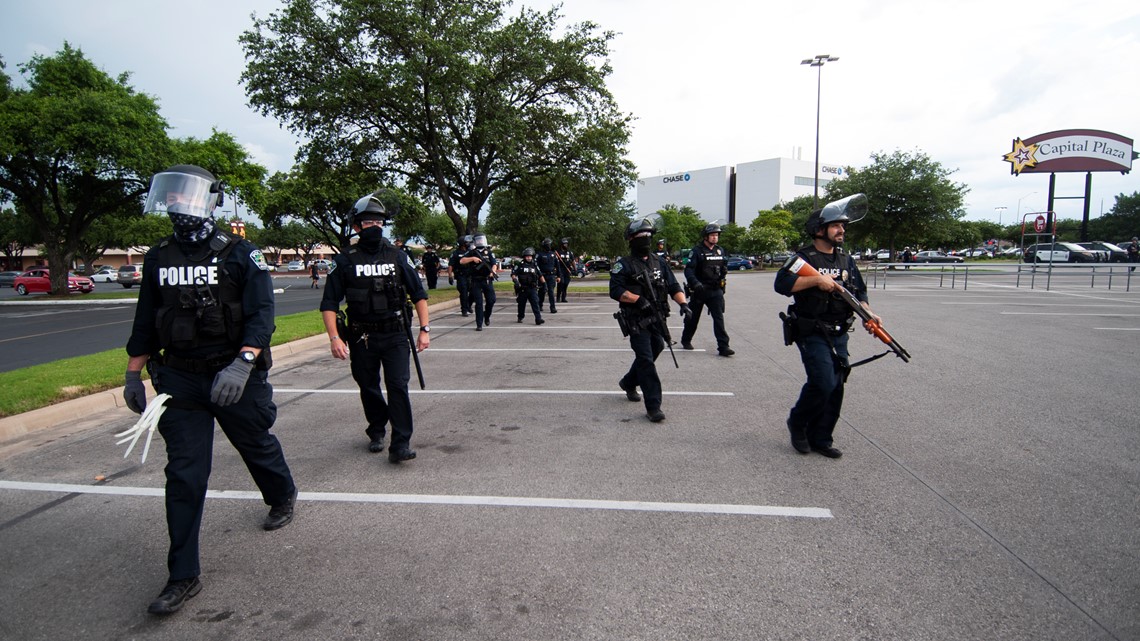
(527, 273)
(341, 268)
(245, 264)
(706, 265)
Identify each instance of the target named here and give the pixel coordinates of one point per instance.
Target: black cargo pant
(187, 426)
(713, 298)
(370, 352)
(647, 345)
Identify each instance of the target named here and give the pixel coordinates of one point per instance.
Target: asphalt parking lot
(989, 489)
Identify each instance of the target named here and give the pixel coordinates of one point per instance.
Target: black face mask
(370, 238)
(640, 245)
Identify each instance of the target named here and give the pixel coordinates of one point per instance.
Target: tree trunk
(59, 261)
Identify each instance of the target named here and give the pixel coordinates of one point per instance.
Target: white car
(295, 266)
(883, 254)
(105, 275)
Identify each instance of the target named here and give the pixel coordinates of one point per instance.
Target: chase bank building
(734, 194)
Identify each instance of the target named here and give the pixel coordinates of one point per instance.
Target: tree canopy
(910, 199)
(454, 96)
(75, 145)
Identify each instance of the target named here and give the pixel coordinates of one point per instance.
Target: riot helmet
(660, 243)
(547, 243)
(184, 190)
(639, 234)
(466, 240)
(480, 241)
(528, 252)
(846, 210)
(565, 242)
(711, 228)
(369, 208)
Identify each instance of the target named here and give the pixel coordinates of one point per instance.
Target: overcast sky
(719, 82)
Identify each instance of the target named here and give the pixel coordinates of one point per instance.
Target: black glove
(686, 311)
(644, 306)
(697, 287)
(229, 384)
(134, 393)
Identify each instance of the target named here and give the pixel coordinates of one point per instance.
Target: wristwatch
(248, 357)
(425, 329)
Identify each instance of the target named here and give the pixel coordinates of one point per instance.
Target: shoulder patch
(791, 259)
(259, 259)
(409, 259)
(616, 269)
(332, 267)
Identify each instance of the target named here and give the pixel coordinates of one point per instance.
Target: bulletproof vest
(662, 255)
(814, 303)
(712, 266)
(567, 257)
(462, 271)
(547, 261)
(641, 272)
(527, 274)
(480, 270)
(430, 259)
(374, 290)
(200, 308)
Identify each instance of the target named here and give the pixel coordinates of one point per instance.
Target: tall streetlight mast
(818, 61)
(999, 211)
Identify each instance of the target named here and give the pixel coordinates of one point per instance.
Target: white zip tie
(146, 423)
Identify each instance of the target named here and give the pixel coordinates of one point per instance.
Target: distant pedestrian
(1134, 252)
(315, 274)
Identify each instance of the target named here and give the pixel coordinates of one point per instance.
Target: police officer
(430, 262)
(1134, 252)
(377, 280)
(566, 266)
(661, 251)
(705, 278)
(821, 321)
(642, 285)
(528, 281)
(202, 327)
(460, 273)
(483, 268)
(547, 261)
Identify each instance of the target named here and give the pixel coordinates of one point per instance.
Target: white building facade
(734, 194)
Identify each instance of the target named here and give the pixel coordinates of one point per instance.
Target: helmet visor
(850, 209)
(179, 193)
(480, 241)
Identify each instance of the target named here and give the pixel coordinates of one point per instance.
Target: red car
(36, 280)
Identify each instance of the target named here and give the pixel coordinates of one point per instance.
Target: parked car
(976, 252)
(321, 263)
(1058, 253)
(1106, 252)
(8, 279)
(736, 263)
(1011, 251)
(883, 254)
(106, 274)
(295, 266)
(38, 280)
(933, 256)
(598, 265)
(129, 275)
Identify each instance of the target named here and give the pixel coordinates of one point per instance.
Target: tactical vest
(816, 304)
(547, 262)
(527, 273)
(712, 266)
(374, 288)
(652, 272)
(566, 259)
(461, 271)
(430, 260)
(481, 270)
(201, 308)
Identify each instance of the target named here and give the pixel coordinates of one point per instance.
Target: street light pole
(999, 211)
(1019, 203)
(817, 61)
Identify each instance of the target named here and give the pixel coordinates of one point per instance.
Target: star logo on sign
(1022, 157)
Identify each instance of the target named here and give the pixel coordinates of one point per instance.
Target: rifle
(647, 291)
(801, 268)
(405, 312)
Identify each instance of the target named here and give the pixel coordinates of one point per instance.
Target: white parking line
(447, 499)
(1060, 314)
(1119, 329)
(540, 349)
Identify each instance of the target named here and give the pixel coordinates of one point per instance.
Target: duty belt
(206, 365)
(388, 326)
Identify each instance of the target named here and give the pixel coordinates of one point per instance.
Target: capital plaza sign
(1071, 150)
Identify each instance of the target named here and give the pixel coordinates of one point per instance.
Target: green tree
(1121, 223)
(452, 95)
(75, 145)
(911, 199)
(223, 156)
(436, 229)
(300, 237)
(121, 229)
(681, 228)
(17, 233)
(771, 232)
(587, 209)
(732, 238)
